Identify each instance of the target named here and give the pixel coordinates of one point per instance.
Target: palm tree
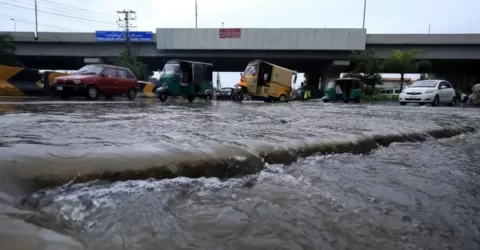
(403, 62)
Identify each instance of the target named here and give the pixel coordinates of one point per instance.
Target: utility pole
(196, 15)
(125, 22)
(429, 26)
(36, 21)
(364, 13)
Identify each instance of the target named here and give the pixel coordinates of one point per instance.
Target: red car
(96, 79)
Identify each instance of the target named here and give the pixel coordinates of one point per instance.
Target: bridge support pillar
(318, 79)
(333, 71)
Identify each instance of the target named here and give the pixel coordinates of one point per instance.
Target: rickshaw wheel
(191, 98)
(208, 97)
(238, 97)
(162, 97)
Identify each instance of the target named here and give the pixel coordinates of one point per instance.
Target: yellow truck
(265, 81)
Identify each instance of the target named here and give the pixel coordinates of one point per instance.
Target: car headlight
(77, 81)
(429, 91)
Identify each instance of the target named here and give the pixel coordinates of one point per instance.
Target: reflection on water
(406, 196)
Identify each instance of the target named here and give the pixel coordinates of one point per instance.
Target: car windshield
(424, 84)
(250, 70)
(171, 69)
(90, 70)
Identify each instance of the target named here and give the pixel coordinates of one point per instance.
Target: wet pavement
(411, 195)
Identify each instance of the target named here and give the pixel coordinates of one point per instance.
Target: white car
(433, 92)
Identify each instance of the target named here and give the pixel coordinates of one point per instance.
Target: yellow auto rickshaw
(265, 81)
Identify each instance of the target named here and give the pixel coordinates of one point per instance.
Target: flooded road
(410, 195)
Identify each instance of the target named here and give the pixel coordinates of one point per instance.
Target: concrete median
(146, 89)
(221, 162)
(17, 81)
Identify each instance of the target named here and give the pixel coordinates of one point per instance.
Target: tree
(423, 76)
(404, 62)
(129, 61)
(367, 68)
(7, 51)
(366, 62)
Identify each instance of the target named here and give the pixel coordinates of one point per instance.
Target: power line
(48, 2)
(59, 8)
(20, 20)
(57, 14)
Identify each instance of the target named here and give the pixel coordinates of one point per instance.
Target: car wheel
(435, 101)
(403, 103)
(132, 94)
(162, 97)
(453, 102)
(283, 98)
(92, 92)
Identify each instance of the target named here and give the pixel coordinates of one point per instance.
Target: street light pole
(223, 26)
(196, 15)
(14, 25)
(364, 12)
(36, 21)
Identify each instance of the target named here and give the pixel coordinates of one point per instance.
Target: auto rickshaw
(187, 79)
(265, 81)
(348, 87)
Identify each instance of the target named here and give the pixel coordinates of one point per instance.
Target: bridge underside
(237, 64)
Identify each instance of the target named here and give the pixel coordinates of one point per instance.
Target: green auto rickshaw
(187, 79)
(343, 89)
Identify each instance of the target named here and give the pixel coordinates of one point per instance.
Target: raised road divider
(222, 163)
(146, 89)
(18, 81)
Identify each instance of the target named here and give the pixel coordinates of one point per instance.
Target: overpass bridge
(306, 50)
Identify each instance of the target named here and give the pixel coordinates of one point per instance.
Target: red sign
(230, 33)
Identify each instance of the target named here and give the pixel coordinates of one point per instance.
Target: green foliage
(366, 62)
(424, 77)
(424, 66)
(367, 68)
(401, 62)
(129, 61)
(404, 62)
(7, 51)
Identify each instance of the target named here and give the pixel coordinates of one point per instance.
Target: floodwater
(409, 195)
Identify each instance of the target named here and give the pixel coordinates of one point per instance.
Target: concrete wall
(61, 37)
(426, 39)
(262, 39)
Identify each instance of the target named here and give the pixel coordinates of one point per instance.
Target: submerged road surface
(222, 175)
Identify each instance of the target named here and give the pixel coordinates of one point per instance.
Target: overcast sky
(383, 16)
